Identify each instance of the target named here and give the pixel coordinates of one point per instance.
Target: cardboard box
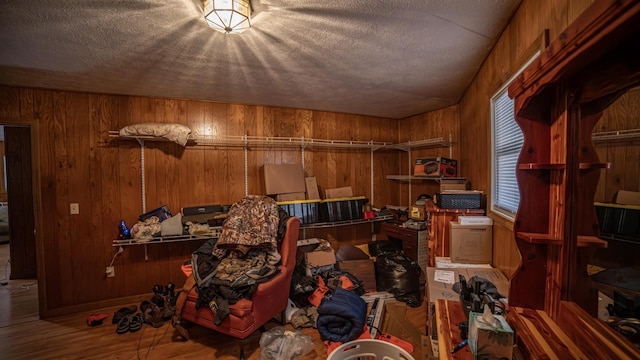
(471, 243)
(417, 212)
(341, 192)
(312, 188)
(283, 179)
(474, 220)
(363, 270)
(440, 286)
(490, 342)
(319, 259)
(444, 262)
(453, 184)
(290, 196)
(436, 166)
(627, 197)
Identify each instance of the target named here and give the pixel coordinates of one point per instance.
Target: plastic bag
(282, 344)
(400, 275)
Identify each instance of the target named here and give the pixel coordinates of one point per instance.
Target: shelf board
(162, 240)
(432, 178)
(589, 166)
(538, 238)
(629, 134)
(180, 238)
(262, 141)
(591, 241)
(346, 222)
(427, 143)
(548, 239)
(540, 166)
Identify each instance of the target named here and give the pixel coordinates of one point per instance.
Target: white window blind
(508, 142)
(506, 145)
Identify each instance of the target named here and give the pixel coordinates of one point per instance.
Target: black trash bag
(379, 247)
(399, 275)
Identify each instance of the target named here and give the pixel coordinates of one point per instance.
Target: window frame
(494, 205)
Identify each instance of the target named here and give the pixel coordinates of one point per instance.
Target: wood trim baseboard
(95, 306)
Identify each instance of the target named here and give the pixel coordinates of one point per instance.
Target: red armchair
(268, 300)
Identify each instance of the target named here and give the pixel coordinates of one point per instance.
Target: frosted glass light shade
(228, 16)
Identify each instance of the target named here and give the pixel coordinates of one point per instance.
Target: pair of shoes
(165, 299)
(182, 334)
(129, 323)
(136, 322)
(122, 312)
(151, 314)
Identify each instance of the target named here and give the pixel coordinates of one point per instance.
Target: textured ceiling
(389, 59)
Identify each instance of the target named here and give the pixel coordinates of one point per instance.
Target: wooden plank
(234, 167)
(109, 213)
(100, 234)
(449, 314)
(81, 238)
(600, 341)
(538, 336)
(130, 262)
(62, 200)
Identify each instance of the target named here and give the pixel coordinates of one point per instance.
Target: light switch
(74, 208)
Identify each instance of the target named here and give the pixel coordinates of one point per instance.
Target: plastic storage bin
(308, 211)
(619, 221)
(341, 209)
(369, 350)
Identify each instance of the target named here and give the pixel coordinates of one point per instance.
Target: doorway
(18, 180)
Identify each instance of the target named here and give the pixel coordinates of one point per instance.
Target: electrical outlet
(111, 272)
(74, 208)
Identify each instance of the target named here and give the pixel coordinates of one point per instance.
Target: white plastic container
(369, 350)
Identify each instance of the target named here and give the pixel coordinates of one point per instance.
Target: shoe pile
(164, 297)
(155, 312)
(127, 319)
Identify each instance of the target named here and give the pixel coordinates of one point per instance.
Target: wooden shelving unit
(249, 142)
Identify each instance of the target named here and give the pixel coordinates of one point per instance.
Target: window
(506, 143)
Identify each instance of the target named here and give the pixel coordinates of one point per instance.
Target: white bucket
(369, 350)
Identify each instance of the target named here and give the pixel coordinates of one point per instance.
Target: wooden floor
(24, 336)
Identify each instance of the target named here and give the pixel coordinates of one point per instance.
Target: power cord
(120, 251)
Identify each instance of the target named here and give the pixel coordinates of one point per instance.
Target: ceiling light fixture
(228, 16)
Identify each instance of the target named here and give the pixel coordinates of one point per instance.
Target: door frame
(36, 178)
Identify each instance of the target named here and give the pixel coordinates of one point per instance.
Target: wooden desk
(414, 242)
(449, 314)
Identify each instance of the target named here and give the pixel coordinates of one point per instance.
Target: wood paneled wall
(624, 155)
(79, 163)
(525, 29)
